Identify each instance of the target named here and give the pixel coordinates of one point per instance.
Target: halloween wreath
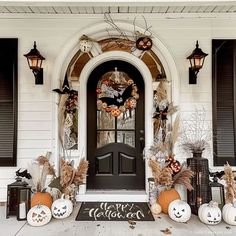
(116, 93)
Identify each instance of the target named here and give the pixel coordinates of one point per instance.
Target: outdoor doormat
(114, 211)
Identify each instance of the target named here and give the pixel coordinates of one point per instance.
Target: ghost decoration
(179, 211)
(39, 215)
(61, 208)
(209, 213)
(85, 44)
(229, 213)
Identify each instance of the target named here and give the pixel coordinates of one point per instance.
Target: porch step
(113, 196)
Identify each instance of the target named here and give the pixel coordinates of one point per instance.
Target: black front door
(115, 127)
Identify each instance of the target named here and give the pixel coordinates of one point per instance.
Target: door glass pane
(127, 120)
(126, 137)
(105, 137)
(105, 120)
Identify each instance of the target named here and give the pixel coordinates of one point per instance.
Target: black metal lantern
(200, 181)
(196, 59)
(18, 199)
(217, 189)
(35, 60)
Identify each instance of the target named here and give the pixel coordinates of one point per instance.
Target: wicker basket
(200, 182)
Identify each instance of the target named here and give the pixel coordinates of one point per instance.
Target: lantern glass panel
(23, 204)
(217, 192)
(34, 63)
(197, 62)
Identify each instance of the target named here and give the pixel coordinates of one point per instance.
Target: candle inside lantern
(22, 210)
(199, 200)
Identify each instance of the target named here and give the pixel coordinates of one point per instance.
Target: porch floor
(11, 227)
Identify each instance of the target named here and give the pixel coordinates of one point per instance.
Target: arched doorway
(115, 127)
(61, 66)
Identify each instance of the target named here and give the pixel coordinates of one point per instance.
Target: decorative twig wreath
(116, 93)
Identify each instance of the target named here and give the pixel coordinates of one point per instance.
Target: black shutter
(223, 72)
(8, 102)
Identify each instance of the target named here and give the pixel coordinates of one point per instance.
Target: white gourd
(156, 209)
(229, 213)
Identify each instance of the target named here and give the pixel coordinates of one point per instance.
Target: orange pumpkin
(166, 197)
(42, 199)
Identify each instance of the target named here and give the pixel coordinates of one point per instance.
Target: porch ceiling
(73, 7)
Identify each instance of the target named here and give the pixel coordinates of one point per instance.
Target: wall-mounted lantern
(35, 60)
(196, 59)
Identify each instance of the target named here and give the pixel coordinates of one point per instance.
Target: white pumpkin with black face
(210, 213)
(39, 215)
(229, 213)
(179, 211)
(62, 208)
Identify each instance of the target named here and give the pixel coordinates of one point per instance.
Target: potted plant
(70, 178)
(164, 177)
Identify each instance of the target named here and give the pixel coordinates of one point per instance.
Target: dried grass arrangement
(39, 170)
(164, 176)
(167, 172)
(195, 133)
(230, 183)
(70, 178)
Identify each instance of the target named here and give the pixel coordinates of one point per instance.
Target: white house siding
(35, 102)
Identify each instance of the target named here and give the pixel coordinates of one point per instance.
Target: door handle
(142, 141)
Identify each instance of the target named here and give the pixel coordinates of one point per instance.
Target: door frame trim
(147, 77)
(96, 31)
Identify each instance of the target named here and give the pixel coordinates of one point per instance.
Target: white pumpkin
(39, 215)
(210, 213)
(229, 213)
(179, 211)
(62, 208)
(85, 44)
(156, 209)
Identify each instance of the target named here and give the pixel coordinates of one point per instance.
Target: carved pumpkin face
(179, 211)
(175, 166)
(62, 208)
(144, 43)
(209, 213)
(39, 215)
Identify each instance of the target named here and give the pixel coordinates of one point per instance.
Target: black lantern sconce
(217, 189)
(196, 59)
(35, 59)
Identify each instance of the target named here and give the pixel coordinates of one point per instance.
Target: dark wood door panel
(117, 162)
